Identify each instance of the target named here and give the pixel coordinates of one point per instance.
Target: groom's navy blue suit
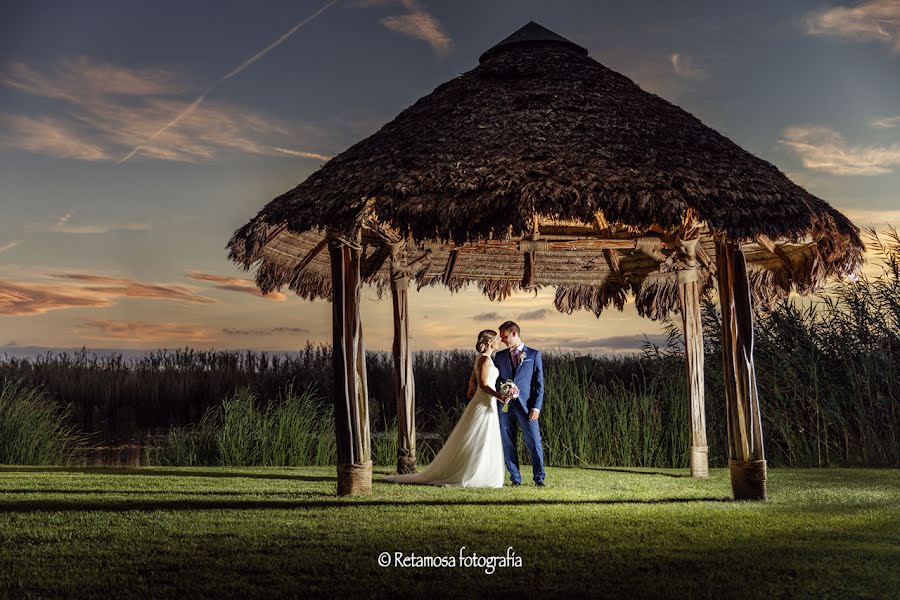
(529, 378)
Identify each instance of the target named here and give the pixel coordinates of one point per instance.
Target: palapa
(541, 167)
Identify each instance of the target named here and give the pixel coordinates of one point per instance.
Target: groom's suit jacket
(529, 377)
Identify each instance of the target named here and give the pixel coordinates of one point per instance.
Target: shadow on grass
(157, 492)
(166, 472)
(618, 470)
(179, 505)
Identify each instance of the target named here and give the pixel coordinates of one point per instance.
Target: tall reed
(34, 430)
(292, 430)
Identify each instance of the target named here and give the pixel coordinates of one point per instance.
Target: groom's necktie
(515, 361)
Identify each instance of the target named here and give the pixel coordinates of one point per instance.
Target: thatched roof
(540, 133)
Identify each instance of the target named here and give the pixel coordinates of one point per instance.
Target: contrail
(233, 72)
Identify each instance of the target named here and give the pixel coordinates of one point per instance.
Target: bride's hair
(485, 338)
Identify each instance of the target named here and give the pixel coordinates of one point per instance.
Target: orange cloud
(302, 154)
(135, 289)
(684, 66)
(263, 331)
(62, 225)
(21, 299)
(139, 331)
(10, 245)
(824, 149)
(49, 136)
(236, 284)
(82, 77)
(875, 20)
(419, 24)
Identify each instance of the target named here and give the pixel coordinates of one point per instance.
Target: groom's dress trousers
(527, 371)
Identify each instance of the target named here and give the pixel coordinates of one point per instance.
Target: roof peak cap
(530, 33)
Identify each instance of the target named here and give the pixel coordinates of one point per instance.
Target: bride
(473, 454)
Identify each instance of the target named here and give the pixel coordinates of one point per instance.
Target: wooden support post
(351, 411)
(529, 272)
(747, 462)
(404, 383)
(689, 293)
(451, 265)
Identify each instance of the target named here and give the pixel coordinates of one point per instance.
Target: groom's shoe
(539, 483)
(515, 483)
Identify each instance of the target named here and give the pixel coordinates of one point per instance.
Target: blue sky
(118, 197)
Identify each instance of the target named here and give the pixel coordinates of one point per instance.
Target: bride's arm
(484, 369)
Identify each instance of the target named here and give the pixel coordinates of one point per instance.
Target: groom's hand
(533, 415)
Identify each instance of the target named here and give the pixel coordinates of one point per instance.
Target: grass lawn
(265, 532)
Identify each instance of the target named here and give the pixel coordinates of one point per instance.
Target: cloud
(113, 286)
(141, 331)
(823, 149)
(264, 331)
(101, 121)
(615, 343)
(872, 217)
(62, 225)
(684, 66)
(236, 284)
(22, 299)
(488, 316)
(301, 154)
(416, 23)
(196, 103)
(876, 20)
(49, 136)
(9, 245)
(74, 79)
(534, 315)
(886, 122)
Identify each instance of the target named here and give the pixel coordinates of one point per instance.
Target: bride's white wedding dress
(473, 454)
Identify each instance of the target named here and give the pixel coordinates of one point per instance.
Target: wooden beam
(689, 295)
(310, 256)
(403, 379)
(550, 243)
(615, 266)
(776, 250)
(747, 462)
(377, 261)
(528, 274)
(651, 246)
(610, 254)
(420, 264)
(351, 397)
(530, 267)
(451, 265)
(705, 260)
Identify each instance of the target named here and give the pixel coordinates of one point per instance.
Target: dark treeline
(828, 378)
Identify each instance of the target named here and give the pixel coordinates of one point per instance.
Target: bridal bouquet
(508, 387)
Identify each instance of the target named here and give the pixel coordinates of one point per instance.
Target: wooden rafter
(610, 254)
(776, 250)
(377, 261)
(451, 265)
(310, 256)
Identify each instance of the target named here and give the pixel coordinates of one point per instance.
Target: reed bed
(827, 372)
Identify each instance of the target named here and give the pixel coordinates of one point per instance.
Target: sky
(135, 137)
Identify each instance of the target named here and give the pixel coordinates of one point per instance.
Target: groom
(524, 366)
